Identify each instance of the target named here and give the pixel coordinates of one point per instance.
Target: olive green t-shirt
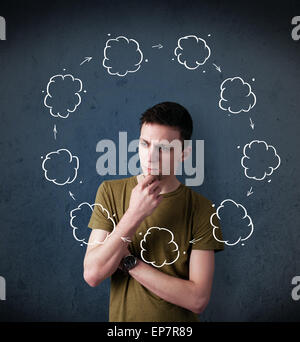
(164, 240)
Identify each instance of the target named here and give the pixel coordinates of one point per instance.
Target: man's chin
(157, 174)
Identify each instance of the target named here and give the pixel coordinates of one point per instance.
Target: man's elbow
(91, 278)
(200, 305)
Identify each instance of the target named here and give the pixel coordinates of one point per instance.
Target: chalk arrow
(217, 67)
(249, 192)
(86, 59)
(70, 193)
(54, 131)
(126, 239)
(194, 240)
(251, 123)
(157, 46)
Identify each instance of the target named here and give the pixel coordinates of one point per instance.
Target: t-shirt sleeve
(101, 215)
(207, 236)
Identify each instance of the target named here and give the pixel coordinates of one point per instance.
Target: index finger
(148, 180)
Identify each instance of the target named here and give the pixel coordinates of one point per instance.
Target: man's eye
(143, 143)
(164, 148)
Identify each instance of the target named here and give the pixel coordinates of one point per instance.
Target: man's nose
(153, 154)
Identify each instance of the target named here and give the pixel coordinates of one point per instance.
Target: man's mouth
(150, 168)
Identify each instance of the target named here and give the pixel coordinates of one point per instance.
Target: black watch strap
(128, 263)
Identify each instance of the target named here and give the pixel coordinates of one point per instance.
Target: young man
(160, 256)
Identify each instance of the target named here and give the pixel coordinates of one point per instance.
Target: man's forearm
(103, 260)
(181, 292)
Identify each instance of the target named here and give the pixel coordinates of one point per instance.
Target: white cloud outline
(91, 206)
(153, 263)
(216, 227)
(270, 167)
(49, 95)
(178, 55)
(249, 94)
(107, 59)
(71, 158)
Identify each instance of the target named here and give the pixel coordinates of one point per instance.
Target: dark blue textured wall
(39, 258)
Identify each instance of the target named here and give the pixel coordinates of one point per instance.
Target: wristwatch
(128, 263)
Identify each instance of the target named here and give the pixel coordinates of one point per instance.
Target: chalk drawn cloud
(63, 95)
(236, 96)
(237, 225)
(259, 160)
(79, 219)
(60, 167)
(192, 51)
(158, 247)
(122, 56)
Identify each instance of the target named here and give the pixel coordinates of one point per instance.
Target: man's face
(160, 149)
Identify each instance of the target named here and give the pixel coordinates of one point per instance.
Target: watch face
(129, 262)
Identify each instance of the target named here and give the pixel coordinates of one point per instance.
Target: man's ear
(186, 152)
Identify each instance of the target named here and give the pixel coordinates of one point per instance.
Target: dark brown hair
(170, 114)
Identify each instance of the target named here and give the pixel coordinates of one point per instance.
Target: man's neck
(167, 183)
